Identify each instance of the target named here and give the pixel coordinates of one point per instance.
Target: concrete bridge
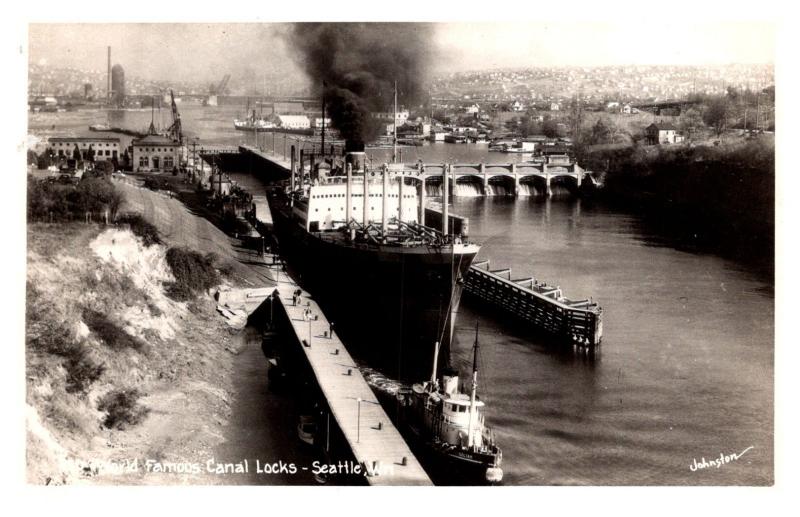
(484, 174)
(510, 175)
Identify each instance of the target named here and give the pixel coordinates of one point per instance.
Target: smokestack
(108, 75)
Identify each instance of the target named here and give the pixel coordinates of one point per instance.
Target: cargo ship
(391, 285)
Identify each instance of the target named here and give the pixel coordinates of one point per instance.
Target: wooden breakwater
(538, 305)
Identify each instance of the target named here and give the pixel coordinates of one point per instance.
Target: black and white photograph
(328, 251)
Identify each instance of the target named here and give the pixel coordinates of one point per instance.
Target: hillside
(116, 369)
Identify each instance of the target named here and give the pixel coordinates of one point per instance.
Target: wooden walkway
(544, 307)
(374, 441)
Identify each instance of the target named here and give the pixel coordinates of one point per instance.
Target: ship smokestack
(355, 155)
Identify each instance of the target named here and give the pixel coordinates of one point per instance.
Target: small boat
(307, 429)
(100, 127)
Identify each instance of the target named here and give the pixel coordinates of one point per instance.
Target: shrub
(62, 202)
(109, 332)
(192, 271)
(122, 408)
(142, 228)
(81, 369)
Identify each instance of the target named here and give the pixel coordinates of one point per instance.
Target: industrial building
(155, 153)
(104, 148)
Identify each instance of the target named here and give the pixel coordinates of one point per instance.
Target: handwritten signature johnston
(718, 462)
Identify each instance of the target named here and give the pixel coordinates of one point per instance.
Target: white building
(104, 148)
(400, 119)
(318, 122)
(294, 121)
(155, 153)
(472, 110)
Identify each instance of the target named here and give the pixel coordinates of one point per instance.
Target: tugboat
(451, 426)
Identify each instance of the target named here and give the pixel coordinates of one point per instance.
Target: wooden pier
(373, 439)
(542, 306)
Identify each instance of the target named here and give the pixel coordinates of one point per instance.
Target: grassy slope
(183, 371)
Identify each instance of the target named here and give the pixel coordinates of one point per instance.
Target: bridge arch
(469, 185)
(532, 185)
(501, 185)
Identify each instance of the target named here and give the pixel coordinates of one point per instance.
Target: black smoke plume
(358, 64)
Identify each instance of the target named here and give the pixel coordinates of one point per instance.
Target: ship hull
(449, 465)
(389, 305)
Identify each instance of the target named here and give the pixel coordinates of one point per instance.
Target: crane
(175, 130)
(220, 89)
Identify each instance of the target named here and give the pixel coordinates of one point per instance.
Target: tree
(550, 128)
(76, 153)
(690, 120)
(90, 153)
(601, 132)
(715, 115)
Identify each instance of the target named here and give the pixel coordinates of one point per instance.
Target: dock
(373, 439)
(541, 306)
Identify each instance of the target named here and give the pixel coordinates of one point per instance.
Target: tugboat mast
(435, 360)
(472, 396)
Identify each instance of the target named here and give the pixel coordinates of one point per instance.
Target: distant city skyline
(203, 52)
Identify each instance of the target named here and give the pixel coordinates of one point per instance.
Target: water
(686, 367)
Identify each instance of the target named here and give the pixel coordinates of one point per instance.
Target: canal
(685, 371)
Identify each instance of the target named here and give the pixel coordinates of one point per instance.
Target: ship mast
(322, 144)
(435, 360)
(472, 396)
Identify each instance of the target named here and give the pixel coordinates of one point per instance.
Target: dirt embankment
(101, 332)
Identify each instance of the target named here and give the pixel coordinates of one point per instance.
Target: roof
(82, 139)
(663, 126)
(155, 140)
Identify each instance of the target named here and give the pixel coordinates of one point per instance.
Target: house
(662, 133)
(517, 106)
(155, 153)
(554, 106)
(472, 109)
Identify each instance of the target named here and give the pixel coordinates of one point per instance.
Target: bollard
(404, 461)
(336, 352)
(380, 426)
(349, 371)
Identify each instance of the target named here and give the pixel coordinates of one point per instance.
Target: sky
(206, 51)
